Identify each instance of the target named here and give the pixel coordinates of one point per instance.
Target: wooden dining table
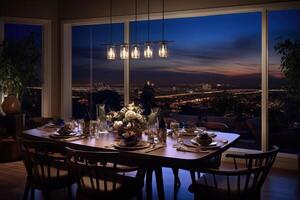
(153, 157)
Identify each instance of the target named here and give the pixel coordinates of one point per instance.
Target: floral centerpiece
(129, 123)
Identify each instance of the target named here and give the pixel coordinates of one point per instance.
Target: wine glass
(175, 129)
(80, 126)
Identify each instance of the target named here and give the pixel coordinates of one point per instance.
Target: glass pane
(212, 74)
(24, 43)
(284, 77)
(95, 80)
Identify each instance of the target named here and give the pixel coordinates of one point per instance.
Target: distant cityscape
(175, 96)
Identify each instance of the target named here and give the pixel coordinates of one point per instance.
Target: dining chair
(243, 182)
(46, 167)
(218, 126)
(102, 176)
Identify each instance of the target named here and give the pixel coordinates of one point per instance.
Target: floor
(280, 184)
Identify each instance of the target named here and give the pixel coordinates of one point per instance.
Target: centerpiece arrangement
(129, 123)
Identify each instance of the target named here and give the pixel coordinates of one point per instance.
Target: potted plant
(290, 66)
(10, 85)
(18, 69)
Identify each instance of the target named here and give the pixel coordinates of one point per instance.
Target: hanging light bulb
(163, 45)
(163, 50)
(111, 49)
(124, 52)
(135, 51)
(148, 50)
(111, 52)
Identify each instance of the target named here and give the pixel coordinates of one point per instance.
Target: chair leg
(193, 176)
(26, 192)
(159, 183)
(46, 194)
(140, 195)
(198, 174)
(32, 194)
(141, 174)
(69, 192)
(177, 182)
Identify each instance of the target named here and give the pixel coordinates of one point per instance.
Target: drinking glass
(93, 128)
(175, 129)
(100, 111)
(80, 126)
(152, 133)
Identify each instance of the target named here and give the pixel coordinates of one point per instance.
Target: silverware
(153, 147)
(74, 138)
(193, 150)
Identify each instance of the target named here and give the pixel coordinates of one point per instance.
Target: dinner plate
(57, 135)
(141, 145)
(214, 145)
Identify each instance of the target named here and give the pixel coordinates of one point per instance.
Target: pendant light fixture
(124, 51)
(148, 49)
(135, 49)
(163, 45)
(111, 49)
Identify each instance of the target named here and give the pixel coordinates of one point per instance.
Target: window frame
(47, 89)
(261, 8)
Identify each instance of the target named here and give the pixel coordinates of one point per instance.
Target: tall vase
(100, 112)
(11, 105)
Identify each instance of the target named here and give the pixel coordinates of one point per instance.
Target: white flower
(123, 110)
(130, 115)
(128, 125)
(117, 124)
(115, 114)
(139, 117)
(131, 106)
(109, 117)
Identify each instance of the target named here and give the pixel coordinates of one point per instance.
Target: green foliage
(290, 66)
(10, 81)
(18, 65)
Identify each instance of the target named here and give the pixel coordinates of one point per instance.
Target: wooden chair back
(101, 170)
(246, 180)
(43, 161)
(217, 126)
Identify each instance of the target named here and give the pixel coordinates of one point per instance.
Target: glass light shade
(148, 50)
(111, 53)
(124, 52)
(163, 50)
(135, 51)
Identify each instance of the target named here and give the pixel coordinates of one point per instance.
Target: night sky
(214, 49)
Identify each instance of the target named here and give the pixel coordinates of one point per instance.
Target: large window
(284, 79)
(95, 80)
(25, 46)
(212, 73)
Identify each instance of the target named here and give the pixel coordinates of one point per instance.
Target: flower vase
(131, 139)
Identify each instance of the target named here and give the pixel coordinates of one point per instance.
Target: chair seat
(124, 187)
(56, 180)
(208, 191)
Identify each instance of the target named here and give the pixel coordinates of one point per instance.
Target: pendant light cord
(148, 21)
(135, 25)
(110, 22)
(163, 20)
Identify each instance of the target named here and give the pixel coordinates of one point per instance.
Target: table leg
(149, 183)
(177, 182)
(159, 183)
